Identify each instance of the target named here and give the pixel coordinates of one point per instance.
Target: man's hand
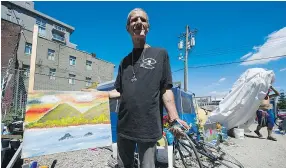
(177, 131)
(169, 102)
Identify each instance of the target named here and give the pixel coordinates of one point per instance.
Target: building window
(58, 37)
(59, 28)
(71, 79)
(88, 81)
(52, 74)
(88, 65)
(42, 31)
(26, 69)
(51, 55)
(72, 60)
(42, 26)
(41, 22)
(28, 49)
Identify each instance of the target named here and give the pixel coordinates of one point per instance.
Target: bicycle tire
(205, 154)
(189, 148)
(229, 162)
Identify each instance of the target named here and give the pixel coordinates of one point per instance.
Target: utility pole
(186, 42)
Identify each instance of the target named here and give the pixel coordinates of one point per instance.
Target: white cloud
(83, 97)
(274, 46)
(246, 55)
(283, 69)
(221, 80)
(49, 99)
(216, 83)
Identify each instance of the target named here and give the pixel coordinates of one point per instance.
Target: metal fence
(13, 93)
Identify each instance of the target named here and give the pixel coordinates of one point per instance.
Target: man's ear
(127, 28)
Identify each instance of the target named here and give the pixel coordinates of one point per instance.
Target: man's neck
(137, 44)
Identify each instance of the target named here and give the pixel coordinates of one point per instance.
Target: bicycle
(196, 153)
(279, 118)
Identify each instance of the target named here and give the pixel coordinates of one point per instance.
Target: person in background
(265, 115)
(144, 83)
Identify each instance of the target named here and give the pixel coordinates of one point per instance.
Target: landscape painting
(65, 121)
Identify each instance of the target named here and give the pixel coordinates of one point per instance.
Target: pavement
(254, 152)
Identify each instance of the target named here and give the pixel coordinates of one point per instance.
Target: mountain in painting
(61, 111)
(97, 111)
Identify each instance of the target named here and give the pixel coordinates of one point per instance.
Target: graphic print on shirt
(148, 63)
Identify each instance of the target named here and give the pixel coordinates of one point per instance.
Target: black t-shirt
(141, 106)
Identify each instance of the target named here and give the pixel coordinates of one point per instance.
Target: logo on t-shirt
(148, 63)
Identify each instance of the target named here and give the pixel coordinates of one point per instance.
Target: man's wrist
(172, 119)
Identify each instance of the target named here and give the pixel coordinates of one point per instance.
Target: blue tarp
(183, 100)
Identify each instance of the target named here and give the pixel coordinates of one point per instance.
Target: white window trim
(42, 34)
(51, 57)
(29, 50)
(72, 80)
(72, 60)
(88, 66)
(26, 71)
(88, 82)
(52, 75)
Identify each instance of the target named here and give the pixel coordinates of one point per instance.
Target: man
(144, 82)
(265, 115)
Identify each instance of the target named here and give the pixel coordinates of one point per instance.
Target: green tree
(282, 100)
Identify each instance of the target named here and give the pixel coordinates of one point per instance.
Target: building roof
(45, 16)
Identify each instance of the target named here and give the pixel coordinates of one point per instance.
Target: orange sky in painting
(36, 111)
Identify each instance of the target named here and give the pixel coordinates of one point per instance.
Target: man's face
(138, 25)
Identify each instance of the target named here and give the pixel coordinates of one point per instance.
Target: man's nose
(139, 21)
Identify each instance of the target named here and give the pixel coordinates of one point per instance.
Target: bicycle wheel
(186, 155)
(222, 157)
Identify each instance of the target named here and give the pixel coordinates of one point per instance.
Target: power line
(228, 63)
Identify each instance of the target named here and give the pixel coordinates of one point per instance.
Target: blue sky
(227, 32)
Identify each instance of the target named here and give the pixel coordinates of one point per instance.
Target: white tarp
(239, 107)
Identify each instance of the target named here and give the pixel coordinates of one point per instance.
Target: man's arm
(276, 93)
(168, 96)
(169, 103)
(113, 94)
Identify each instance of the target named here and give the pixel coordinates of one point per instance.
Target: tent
(184, 104)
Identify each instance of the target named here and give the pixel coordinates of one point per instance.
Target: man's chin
(139, 36)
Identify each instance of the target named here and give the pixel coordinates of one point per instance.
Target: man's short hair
(137, 9)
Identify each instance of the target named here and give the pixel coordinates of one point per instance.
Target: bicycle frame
(200, 147)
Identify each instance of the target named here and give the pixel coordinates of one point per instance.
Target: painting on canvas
(65, 121)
